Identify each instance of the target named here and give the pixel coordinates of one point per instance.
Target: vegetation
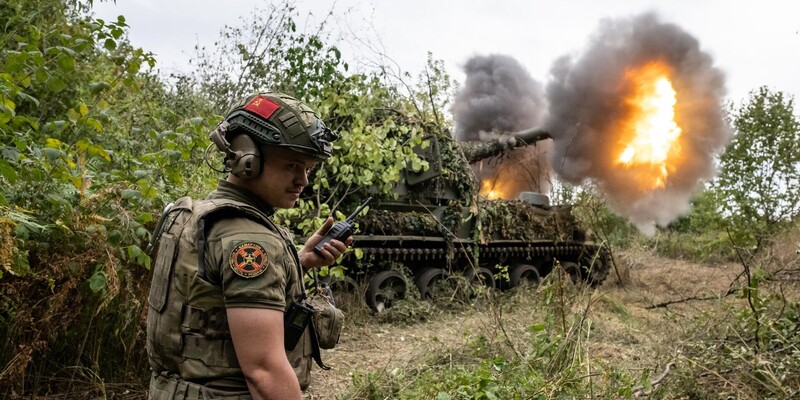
(539, 356)
(94, 142)
(760, 180)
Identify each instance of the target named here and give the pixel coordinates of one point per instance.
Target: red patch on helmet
(248, 259)
(262, 106)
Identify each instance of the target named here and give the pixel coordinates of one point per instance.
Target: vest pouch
(328, 322)
(162, 271)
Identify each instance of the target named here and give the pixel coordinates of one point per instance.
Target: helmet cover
(277, 119)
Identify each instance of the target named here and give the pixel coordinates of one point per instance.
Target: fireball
(649, 145)
(492, 189)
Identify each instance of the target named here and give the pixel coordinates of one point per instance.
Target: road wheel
(384, 290)
(598, 267)
(345, 291)
(524, 274)
(341, 285)
(573, 270)
(430, 283)
(480, 277)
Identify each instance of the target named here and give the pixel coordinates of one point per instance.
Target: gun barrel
(476, 151)
(358, 210)
(531, 135)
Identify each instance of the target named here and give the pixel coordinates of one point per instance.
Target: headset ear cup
(247, 163)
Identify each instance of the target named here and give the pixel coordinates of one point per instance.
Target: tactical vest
(187, 328)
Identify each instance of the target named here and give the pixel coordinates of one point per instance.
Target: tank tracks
(427, 257)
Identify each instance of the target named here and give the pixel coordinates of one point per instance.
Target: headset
(242, 154)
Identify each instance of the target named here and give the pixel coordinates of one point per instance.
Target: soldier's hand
(330, 252)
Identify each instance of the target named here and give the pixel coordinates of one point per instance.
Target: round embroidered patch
(248, 259)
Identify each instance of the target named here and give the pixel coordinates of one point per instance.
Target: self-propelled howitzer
(437, 225)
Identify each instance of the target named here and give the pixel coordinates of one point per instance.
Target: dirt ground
(623, 332)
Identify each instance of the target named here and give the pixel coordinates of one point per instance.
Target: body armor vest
(187, 328)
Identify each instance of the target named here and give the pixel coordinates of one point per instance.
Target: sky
(753, 43)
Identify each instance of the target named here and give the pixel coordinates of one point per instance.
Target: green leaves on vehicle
(97, 282)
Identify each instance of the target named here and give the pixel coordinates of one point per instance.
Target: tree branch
(654, 384)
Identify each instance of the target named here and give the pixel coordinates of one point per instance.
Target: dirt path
(624, 333)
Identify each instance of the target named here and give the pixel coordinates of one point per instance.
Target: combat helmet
(277, 119)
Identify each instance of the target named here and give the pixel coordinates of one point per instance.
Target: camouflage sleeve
(250, 262)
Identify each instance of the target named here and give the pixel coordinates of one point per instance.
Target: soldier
(225, 273)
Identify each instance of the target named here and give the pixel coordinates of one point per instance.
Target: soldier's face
(283, 177)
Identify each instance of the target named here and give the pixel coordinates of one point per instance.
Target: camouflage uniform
(223, 251)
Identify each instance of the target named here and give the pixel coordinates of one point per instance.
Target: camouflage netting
(475, 151)
(517, 220)
(384, 222)
(456, 176)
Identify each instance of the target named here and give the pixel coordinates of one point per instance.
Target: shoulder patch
(248, 259)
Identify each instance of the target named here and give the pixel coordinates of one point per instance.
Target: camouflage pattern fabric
(298, 126)
(249, 262)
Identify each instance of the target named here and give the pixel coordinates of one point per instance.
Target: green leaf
(131, 194)
(114, 237)
(149, 192)
(97, 150)
(73, 116)
(29, 98)
(80, 44)
(20, 265)
(97, 125)
(110, 44)
(52, 143)
(77, 181)
(52, 154)
(8, 171)
(82, 145)
(537, 327)
(97, 282)
(134, 251)
(66, 62)
(56, 84)
(144, 218)
(133, 66)
(97, 87)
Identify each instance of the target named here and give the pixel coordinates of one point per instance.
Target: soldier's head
(273, 132)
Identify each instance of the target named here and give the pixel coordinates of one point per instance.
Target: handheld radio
(342, 229)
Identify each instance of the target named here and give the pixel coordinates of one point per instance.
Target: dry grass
(623, 333)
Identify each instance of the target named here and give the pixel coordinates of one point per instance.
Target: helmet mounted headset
(269, 119)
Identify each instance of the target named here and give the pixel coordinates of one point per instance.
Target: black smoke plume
(499, 96)
(585, 95)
